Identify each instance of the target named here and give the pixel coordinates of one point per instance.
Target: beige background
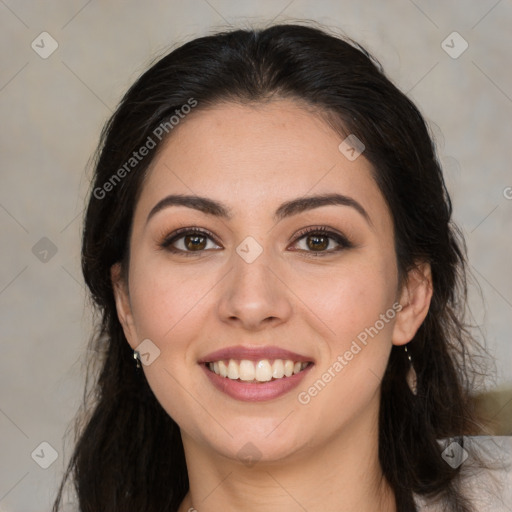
(52, 111)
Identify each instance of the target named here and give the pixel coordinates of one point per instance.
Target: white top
(488, 490)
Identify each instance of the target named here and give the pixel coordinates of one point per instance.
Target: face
(261, 271)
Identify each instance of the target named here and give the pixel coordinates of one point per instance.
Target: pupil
(195, 242)
(317, 242)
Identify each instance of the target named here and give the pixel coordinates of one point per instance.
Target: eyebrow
(287, 209)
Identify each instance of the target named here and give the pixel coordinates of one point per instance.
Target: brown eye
(317, 243)
(189, 242)
(195, 242)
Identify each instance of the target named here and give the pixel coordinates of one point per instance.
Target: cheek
(358, 308)
(168, 308)
(364, 299)
(165, 299)
(351, 298)
(364, 325)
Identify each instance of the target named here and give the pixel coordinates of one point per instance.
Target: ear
(123, 306)
(415, 300)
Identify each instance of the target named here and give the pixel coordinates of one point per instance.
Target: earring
(136, 356)
(411, 377)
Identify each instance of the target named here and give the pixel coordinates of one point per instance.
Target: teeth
(261, 371)
(223, 369)
(278, 369)
(233, 370)
(288, 368)
(246, 370)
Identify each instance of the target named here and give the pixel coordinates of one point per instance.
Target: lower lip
(255, 391)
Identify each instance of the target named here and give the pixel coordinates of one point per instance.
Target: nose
(253, 296)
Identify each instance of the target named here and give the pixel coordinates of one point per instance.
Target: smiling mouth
(263, 370)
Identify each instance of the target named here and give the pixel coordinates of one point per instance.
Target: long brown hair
(128, 455)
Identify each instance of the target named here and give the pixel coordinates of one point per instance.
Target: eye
(320, 241)
(317, 240)
(187, 241)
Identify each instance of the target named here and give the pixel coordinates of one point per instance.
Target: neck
(342, 474)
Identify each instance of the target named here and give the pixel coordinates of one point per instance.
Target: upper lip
(254, 354)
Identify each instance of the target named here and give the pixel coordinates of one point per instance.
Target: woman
(269, 234)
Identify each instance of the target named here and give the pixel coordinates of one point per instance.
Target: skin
(252, 158)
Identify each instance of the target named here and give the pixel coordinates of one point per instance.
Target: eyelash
(341, 240)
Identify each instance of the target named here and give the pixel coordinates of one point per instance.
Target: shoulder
(486, 473)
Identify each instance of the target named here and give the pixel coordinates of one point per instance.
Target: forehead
(256, 154)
